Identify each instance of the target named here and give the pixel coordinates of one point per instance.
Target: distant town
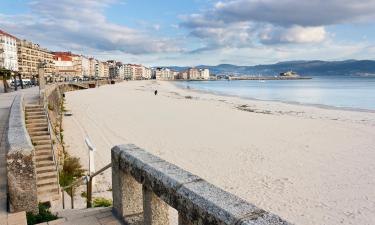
(24, 58)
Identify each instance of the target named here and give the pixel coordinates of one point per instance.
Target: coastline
(305, 170)
(322, 106)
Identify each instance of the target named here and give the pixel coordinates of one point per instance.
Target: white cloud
(295, 12)
(294, 34)
(81, 26)
(241, 23)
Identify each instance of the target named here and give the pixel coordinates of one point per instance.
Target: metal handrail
(50, 130)
(86, 180)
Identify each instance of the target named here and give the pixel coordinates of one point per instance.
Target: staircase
(37, 126)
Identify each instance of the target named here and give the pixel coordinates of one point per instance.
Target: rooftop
(7, 34)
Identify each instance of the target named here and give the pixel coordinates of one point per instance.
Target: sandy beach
(310, 165)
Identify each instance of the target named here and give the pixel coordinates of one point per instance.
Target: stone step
(41, 138)
(49, 190)
(96, 216)
(29, 110)
(32, 121)
(42, 142)
(40, 148)
(46, 182)
(35, 113)
(33, 117)
(40, 158)
(15, 219)
(33, 106)
(33, 125)
(38, 133)
(46, 175)
(43, 152)
(45, 169)
(45, 163)
(46, 197)
(37, 129)
(70, 214)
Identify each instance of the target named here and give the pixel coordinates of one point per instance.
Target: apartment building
(67, 64)
(94, 68)
(30, 55)
(204, 74)
(85, 62)
(103, 69)
(146, 73)
(193, 74)
(135, 72)
(8, 51)
(163, 74)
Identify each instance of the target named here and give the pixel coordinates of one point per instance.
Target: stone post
(155, 209)
(183, 221)
(126, 191)
(42, 82)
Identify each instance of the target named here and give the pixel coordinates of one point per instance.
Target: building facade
(146, 73)
(85, 62)
(94, 70)
(194, 74)
(204, 74)
(163, 74)
(67, 65)
(135, 72)
(8, 51)
(30, 55)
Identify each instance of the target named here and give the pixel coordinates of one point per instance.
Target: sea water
(340, 91)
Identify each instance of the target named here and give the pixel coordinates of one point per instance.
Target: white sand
(307, 164)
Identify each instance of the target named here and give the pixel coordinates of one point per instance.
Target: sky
(197, 32)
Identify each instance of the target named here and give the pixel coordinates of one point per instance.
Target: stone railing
(21, 168)
(144, 184)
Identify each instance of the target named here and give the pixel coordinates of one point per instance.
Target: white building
(85, 66)
(146, 73)
(163, 74)
(204, 74)
(193, 74)
(8, 51)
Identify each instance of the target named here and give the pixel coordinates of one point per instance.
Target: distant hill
(305, 68)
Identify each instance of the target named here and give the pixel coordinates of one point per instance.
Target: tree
(5, 75)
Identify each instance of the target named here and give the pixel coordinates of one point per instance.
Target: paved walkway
(6, 99)
(93, 216)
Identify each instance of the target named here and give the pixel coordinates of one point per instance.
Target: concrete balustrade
(140, 176)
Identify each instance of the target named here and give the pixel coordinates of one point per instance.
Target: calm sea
(346, 92)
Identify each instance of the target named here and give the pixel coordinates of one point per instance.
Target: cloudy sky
(195, 32)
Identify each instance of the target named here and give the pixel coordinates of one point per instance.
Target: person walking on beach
(156, 92)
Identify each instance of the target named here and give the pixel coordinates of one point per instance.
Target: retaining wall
(21, 168)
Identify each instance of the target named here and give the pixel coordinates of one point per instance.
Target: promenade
(31, 97)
